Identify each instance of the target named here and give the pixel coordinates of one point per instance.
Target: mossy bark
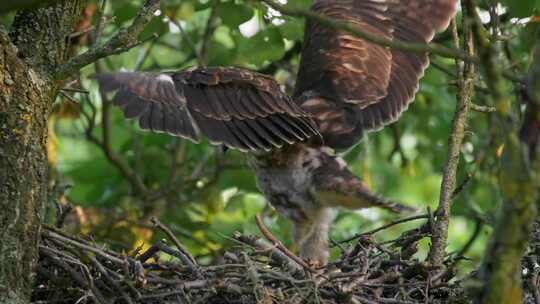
(36, 45)
(500, 273)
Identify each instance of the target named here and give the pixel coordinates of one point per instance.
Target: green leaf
(292, 29)
(266, 45)
(303, 4)
(233, 14)
(521, 9)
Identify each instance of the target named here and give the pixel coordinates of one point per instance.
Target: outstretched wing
(238, 108)
(352, 86)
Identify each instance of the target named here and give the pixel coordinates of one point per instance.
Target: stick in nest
(185, 256)
(279, 245)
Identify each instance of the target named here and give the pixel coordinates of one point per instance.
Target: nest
(260, 270)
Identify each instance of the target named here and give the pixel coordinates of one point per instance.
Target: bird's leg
(311, 235)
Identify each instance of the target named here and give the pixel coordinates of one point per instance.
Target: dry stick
(75, 90)
(483, 109)
(270, 237)
(271, 251)
(466, 74)
(107, 277)
(189, 259)
(85, 283)
(396, 222)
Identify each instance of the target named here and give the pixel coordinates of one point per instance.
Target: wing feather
(238, 108)
(352, 86)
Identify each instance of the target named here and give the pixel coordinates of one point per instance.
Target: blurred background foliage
(204, 193)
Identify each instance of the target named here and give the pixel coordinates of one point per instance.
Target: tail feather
(336, 186)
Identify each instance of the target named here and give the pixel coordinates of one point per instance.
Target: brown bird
(346, 87)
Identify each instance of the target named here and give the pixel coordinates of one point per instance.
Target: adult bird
(345, 88)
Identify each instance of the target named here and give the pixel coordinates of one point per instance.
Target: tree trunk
(35, 46)
(23, 170)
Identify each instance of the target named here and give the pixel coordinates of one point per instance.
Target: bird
(346, 87)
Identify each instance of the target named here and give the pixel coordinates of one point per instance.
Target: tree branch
(131, 175)
(125, 39)
(466, 75)
(270, 237)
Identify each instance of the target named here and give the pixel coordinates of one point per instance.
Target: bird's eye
(306, 163)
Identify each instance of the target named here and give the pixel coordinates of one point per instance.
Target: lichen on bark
(37, 42)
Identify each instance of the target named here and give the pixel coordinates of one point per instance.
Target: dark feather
(233, 107)
(369, 85)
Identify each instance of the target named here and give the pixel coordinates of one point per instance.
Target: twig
(397, 222)
(150, 252)
(208, 31)
(270, 237)
(483, 109)
(54, 235)
(107, 277)
(189, 260)
(76, 90)
(125, 39)
(131, 175)
(371, 271)
(63, 212)
(191, 44)
(466, 74)
(271, 251)
(472, 239)
(86, 283)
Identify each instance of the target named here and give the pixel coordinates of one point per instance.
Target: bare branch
(125, 39)
(466, 74)
(189, 41)
(269, 236)
(384, 227)
(187, 258)
(209, 31)
(131, 175)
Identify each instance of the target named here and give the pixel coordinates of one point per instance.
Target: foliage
(205, 194)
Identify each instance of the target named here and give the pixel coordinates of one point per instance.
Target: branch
(269, 250)
(131, 175)
(350, 28)
(209, 31)
(277, 243)
(466, 75)
(384, 227)
(185, 256)
(125, 39)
